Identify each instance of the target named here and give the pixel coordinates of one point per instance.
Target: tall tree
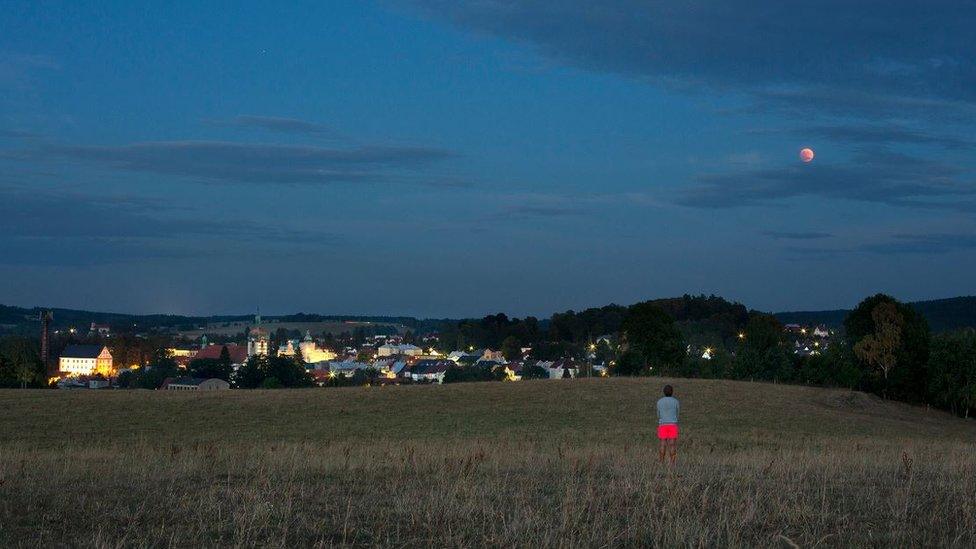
(891, 342)
(651, 332)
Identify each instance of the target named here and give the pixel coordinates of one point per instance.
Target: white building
(86, 360)
(257, 342)
(197, 384)
(406, 349)
(311, 352)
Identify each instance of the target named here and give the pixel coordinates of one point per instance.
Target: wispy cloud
(791, 235)
(58, 228)
(893, 245)
(791, 51)
(877, 176)
(276, 124)
(934, 243)
(256, 163)
(889, 134)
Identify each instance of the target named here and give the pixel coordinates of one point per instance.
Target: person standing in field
(667, 424)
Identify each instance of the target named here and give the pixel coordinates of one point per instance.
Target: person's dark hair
(668, 390)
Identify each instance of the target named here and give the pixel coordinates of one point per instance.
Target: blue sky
(456, 158)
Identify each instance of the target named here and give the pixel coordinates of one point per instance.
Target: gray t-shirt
(667, 410)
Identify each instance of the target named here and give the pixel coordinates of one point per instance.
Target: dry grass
(567, 463)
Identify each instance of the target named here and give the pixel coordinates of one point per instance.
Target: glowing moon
(806, 155)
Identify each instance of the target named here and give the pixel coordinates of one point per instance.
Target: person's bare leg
(673, 443)
(662, 451)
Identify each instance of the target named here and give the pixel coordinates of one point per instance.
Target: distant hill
(21, 320)
(942, 314)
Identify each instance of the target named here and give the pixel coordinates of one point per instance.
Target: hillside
(942, 314)
(20, 320)
(531, 463)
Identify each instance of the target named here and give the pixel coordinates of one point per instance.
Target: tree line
(886, 348)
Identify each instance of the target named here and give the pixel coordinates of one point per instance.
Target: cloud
(885, 135)
(18, 134)
(934, 243)
(787, 235)
(17, 69)
(57, 228)
(877, 176)
(255, 163)
(894, 245)
(276, 124)
(844, 51)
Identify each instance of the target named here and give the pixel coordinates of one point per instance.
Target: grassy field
(550, 463)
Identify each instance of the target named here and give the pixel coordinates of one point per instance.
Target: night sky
(463, 157)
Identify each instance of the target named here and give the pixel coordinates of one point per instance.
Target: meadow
(539, 463)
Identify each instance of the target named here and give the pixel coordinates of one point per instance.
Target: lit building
(407, 349)
(257, 342)
(86, 360)
(311, 352)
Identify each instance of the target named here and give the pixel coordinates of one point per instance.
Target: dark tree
(651, 333)
(891, 342)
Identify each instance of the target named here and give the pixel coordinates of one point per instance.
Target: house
(512, 370)
(429, 370)
(195, 384)
(346, 368)
(103, 330)
(182, 357)
(238, 353)
(492, 356)
(86, 360)
(558, 369)
(407, 349)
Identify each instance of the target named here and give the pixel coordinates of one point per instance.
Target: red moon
(806, 155)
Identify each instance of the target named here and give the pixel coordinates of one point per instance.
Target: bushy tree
(630, 363)
(952, 372)
(835, 367)
(151, 376)
(651, 333)
(273, 372)
(511, 348)
(20, 363)
(251, 374)
(534, 371)
(212, 367)
(891, 343)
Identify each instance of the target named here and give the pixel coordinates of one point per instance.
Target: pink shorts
(668, 431)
